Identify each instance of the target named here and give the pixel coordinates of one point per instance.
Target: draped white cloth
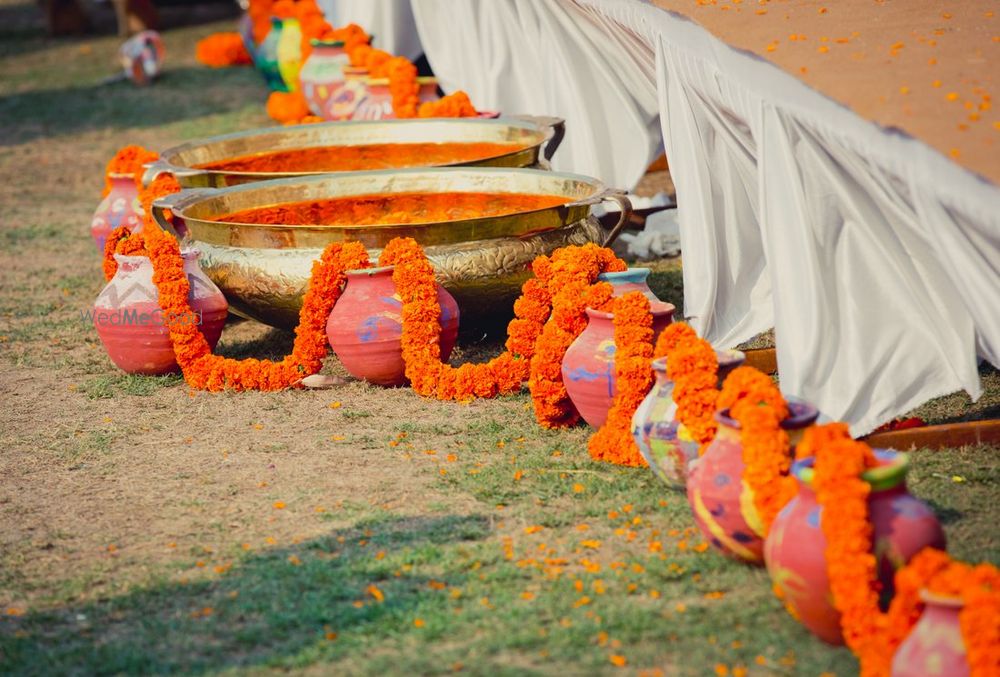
(551, 58)
(389, 21)
(876, 259)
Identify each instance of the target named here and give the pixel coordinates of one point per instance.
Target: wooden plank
(764, 359)
(938, 436)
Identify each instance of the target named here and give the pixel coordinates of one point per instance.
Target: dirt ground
(111, 484)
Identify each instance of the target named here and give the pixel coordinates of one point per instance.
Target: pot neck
(889, 475)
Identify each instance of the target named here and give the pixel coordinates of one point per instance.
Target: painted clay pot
(428, 89)
(365, 327)
(588, 368)
(633, 279)
(664, 442)
(133, 328)
(377, 104)
(267, 58)
(120, 207)
(721, 501)
(935, 645)
(322, 77)
(796, 546)
(289, 53)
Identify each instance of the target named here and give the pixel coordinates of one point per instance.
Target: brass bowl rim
(168, 156)
(199, 195)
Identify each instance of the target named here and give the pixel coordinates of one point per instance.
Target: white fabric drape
(551, 58)
(876, 259)
(389, 21)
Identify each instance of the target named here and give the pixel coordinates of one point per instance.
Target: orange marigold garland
(671, 337)
(694, 369)
(454, 105)
(853, 568)
(206, 371)
(571, 272)
(633, 333)
(413, 277)
(128, 160)
(756, 403)
(220, 50)
(287, 107)
(120, 241)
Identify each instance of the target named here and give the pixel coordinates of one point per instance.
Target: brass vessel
(263, 269)
(538, 136)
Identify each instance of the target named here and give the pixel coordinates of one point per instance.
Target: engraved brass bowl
(264, 269)
(538, 138)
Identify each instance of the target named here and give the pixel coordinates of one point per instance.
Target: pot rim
(370, 272)
(188, 254)
(317, 42)
(725, 357)
(950, 601)
(631, 273)
(890, 473)
(801, 415)
(657, 308)
(422, 80)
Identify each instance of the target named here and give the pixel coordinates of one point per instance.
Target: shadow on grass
(273, 609)
(273, 345)
(179, 94)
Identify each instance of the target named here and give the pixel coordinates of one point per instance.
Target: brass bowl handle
(161, 166)
(555, 133)
(624, 204)
(176, 202)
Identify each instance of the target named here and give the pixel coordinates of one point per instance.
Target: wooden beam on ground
(764, 359)
(938, 436)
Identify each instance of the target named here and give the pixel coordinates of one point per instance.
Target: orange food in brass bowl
(362, 157)
(395, 208)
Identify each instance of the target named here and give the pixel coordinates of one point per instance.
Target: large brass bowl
(539, 137)
(264, 269)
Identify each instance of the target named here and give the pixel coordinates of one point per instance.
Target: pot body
(662, 439)
(267, 58)
(289, 53)
(322, 79)
(366, 327)
(796, 548)
(935, 645)
(120, 207)
(375, 105)
(135, 331)
(722, 502)
(588, 368)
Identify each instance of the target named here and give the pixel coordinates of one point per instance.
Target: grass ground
(146, 528)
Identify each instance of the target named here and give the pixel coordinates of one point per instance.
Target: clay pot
(633, 279)
(721, 501)
(289, 53)
(796, 547)
(377, 103)
(588, 368)
(322, 78)
(935, 645)
(266, 58)
(120, 207)
(664, 442)
(365, 327)
(133, 328)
